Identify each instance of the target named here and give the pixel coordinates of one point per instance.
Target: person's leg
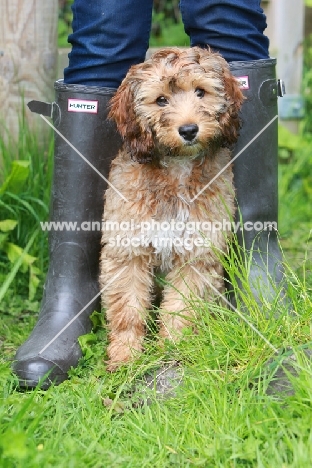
(108, 36)
(235, 29)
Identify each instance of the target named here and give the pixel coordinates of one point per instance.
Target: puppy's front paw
(120, 353)
(112, 366)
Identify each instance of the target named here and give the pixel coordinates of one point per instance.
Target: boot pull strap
(48, 109)
(39, 107)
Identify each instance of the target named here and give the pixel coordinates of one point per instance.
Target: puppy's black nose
(188, 132)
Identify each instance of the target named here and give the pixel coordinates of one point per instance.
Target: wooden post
(285, 30)
(28, 60)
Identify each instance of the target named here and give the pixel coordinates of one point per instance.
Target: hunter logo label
(243, 82)
(80, 105)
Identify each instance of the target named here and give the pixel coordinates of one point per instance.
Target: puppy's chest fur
(166, 206)
(168, 226)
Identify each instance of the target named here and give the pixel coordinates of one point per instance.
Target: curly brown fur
(176, 112)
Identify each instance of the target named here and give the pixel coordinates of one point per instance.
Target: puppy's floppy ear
(137, 136)
(229, 121)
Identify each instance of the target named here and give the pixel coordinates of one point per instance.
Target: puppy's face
(176, 104)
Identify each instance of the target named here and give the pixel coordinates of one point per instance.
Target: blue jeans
(110, 35)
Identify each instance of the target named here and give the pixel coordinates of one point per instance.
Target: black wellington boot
(256, 182)
(71, 291)
(256, 175)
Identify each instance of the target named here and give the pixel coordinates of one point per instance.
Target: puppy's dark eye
(200, 92)
(162, 101)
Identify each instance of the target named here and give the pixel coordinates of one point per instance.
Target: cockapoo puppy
(170, 201)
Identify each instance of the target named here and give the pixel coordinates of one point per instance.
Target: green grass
(216, 419)
(220, 416)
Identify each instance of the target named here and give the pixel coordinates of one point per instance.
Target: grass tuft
(220, 416)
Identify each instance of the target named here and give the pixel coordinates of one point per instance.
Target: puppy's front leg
(127, 295)
(187, 280)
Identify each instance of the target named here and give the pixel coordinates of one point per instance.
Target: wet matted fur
(177, 114)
